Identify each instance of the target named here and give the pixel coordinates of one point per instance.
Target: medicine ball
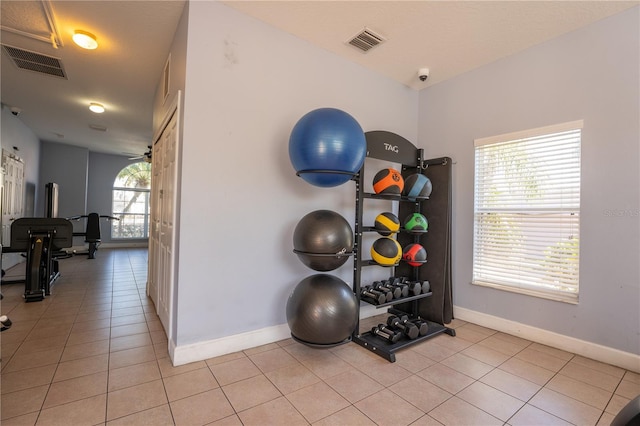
(416, 222)
(388, 181)
(417, 186)
(414, 254)
(386, 251)
(387, 223)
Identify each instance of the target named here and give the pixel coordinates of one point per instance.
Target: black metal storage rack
(391, 147)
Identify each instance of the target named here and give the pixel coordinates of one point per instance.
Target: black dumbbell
(402, 323)
(415, 288)
(376, 298)
(426, 287)
(384, 291)
(422, 325)
(398, 283)
(395, 291)
(377, 287)
(404, 288)
(385, 333)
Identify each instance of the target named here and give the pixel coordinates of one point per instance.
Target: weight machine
(39, 238)
(92, 231)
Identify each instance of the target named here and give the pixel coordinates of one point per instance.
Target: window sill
(569, 298)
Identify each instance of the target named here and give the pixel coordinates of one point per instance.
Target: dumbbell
(415, 288)
(398, 282)
(386, 333)
(388, 296)
(375, 287)
(402, 323)
(383, 286)
(376, 298)
(426, 287)
(422, 325)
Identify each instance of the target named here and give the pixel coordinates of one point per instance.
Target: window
(131, 201)
(527, 212)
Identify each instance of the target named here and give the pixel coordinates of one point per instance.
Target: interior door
(167, 201)
(13, 194)
(162, 235)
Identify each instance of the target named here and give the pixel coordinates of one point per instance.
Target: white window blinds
(527, 212)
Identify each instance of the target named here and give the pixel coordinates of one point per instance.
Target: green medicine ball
(416, 222)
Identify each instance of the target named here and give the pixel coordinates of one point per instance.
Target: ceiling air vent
(98, 127)
(366, 39)
(37, 62)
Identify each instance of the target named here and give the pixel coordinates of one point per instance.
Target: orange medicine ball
(388, 181)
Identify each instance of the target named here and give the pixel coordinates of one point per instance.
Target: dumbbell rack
(387, 146)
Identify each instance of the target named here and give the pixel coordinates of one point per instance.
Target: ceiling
(448, 37)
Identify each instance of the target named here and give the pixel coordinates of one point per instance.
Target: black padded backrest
(93, 228)
(23, 228)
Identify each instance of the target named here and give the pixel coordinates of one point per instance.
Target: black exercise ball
(322, 310)
(323, 240)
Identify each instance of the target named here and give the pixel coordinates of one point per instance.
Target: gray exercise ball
(323, 240)
(322, 310)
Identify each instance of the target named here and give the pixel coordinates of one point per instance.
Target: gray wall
(590, 74)
(103, 169)
(85, 181)
(247, 84)
(14, 133)
(68, 166)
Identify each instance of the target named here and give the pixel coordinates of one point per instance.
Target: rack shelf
(387, 350)
(399, 300)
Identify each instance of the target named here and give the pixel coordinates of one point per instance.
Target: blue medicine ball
(330, 140)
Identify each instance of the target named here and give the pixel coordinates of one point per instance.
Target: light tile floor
(94, 353)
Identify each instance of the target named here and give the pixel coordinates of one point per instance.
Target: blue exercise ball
(329, 140)
(322, 310)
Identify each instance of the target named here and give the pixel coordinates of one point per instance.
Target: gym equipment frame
(433, 308)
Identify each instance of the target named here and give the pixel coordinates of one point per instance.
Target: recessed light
(96, 107)
(85, 39)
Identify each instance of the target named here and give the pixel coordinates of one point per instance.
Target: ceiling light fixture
(85, 39)
(96, 107)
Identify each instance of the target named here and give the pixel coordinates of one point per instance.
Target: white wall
(247, 84)
(590, 74)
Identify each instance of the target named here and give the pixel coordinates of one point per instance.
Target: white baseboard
(626, 360)
(184, 354)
